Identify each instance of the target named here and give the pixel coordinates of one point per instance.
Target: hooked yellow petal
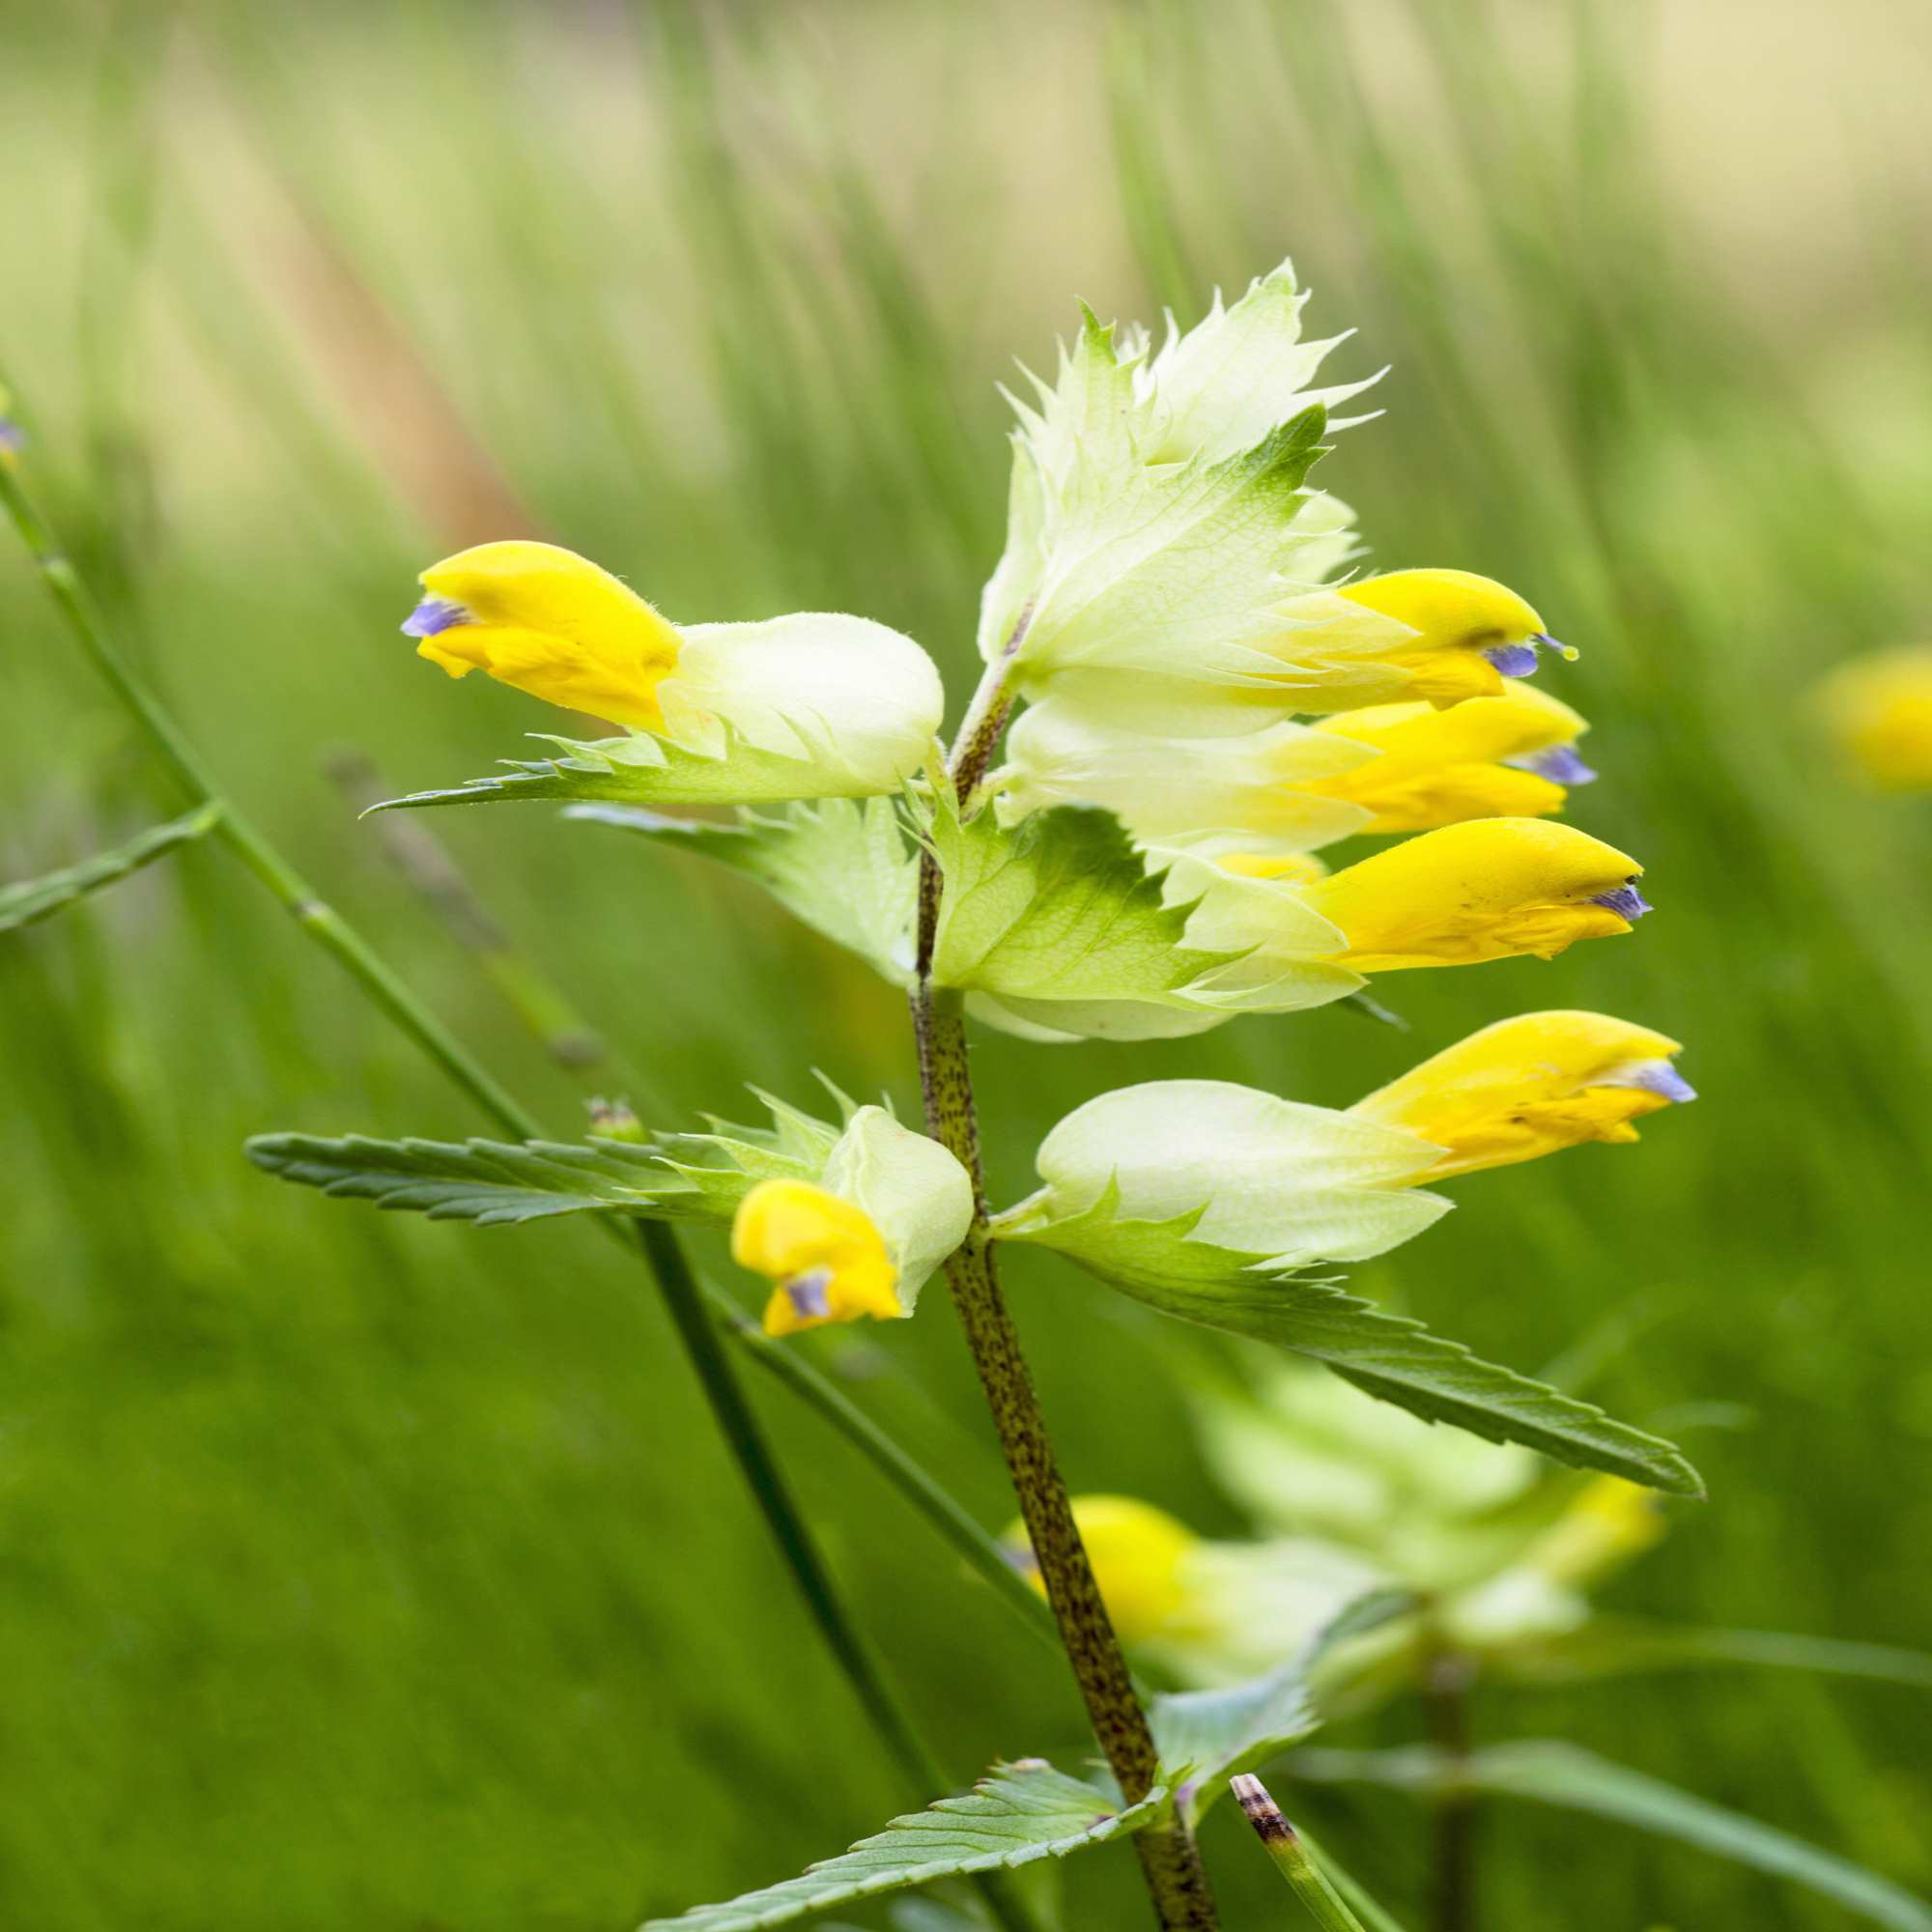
(1505, 756)
(1528, 1085)
(1487, 888)
(1139, 1554)
(550, 623)
(1469, 631)
(828, 1258)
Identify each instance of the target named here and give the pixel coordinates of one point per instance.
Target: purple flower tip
(1513, 659)
(1559, 764)
(434, 614)
(809, 1294)
(1661, 1077)
(1551, 644)
(13, 438)
(1654, 1076)
(1627, 902)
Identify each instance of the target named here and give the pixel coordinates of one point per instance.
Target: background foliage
(359, 1571)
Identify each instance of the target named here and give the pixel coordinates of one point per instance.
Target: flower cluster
(1206, 699)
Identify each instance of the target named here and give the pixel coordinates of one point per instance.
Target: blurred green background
(357, 1571)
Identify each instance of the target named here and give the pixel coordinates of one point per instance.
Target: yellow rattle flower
(1139, 1554)
(1467, 633)
(550, 623)
(1487, 888)
(1509, 756)
(1528, 1085)
(1879, 708)
(829, 1262)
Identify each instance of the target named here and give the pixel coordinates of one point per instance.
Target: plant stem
(1452, 1906)
(1326, 1905)
(660, 1249)
(1168, 1855)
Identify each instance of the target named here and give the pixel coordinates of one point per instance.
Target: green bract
(1157, 513)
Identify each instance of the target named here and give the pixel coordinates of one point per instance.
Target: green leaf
(637, 770)
(1392, 1356)
(1056, 924)
(843, 865)
(1620, 1646)
(497, 1183)
(1550, 1772)
(34, 899)
(1017, 1813)
(1203, 1738)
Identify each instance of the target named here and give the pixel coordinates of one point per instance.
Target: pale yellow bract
(1530, 1086)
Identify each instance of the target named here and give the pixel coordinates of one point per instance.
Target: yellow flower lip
(1482, 889)
(1510, 755)
(548, 622)
(1468, 632)
(830, 1263)
(1529, 1086)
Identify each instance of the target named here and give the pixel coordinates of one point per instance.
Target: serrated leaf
(1056, 923)
(1018, 1813)
(34, 899)
(1392, 1356)
(1551, 1773)
(495, 1183)
(638, 770)
(844, 866)
(1621, 1646)
(1203, 1738)
(498, 1183)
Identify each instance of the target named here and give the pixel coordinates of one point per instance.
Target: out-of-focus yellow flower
(1139, 1554)
(550, 623)
(1528, 1085)
(1879, 708)
(1608, 1523)
(1467, 633)
(1487, 888)
(1541, 1592)
(1212, 1612)
(1510, 756)
(829, 1261)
